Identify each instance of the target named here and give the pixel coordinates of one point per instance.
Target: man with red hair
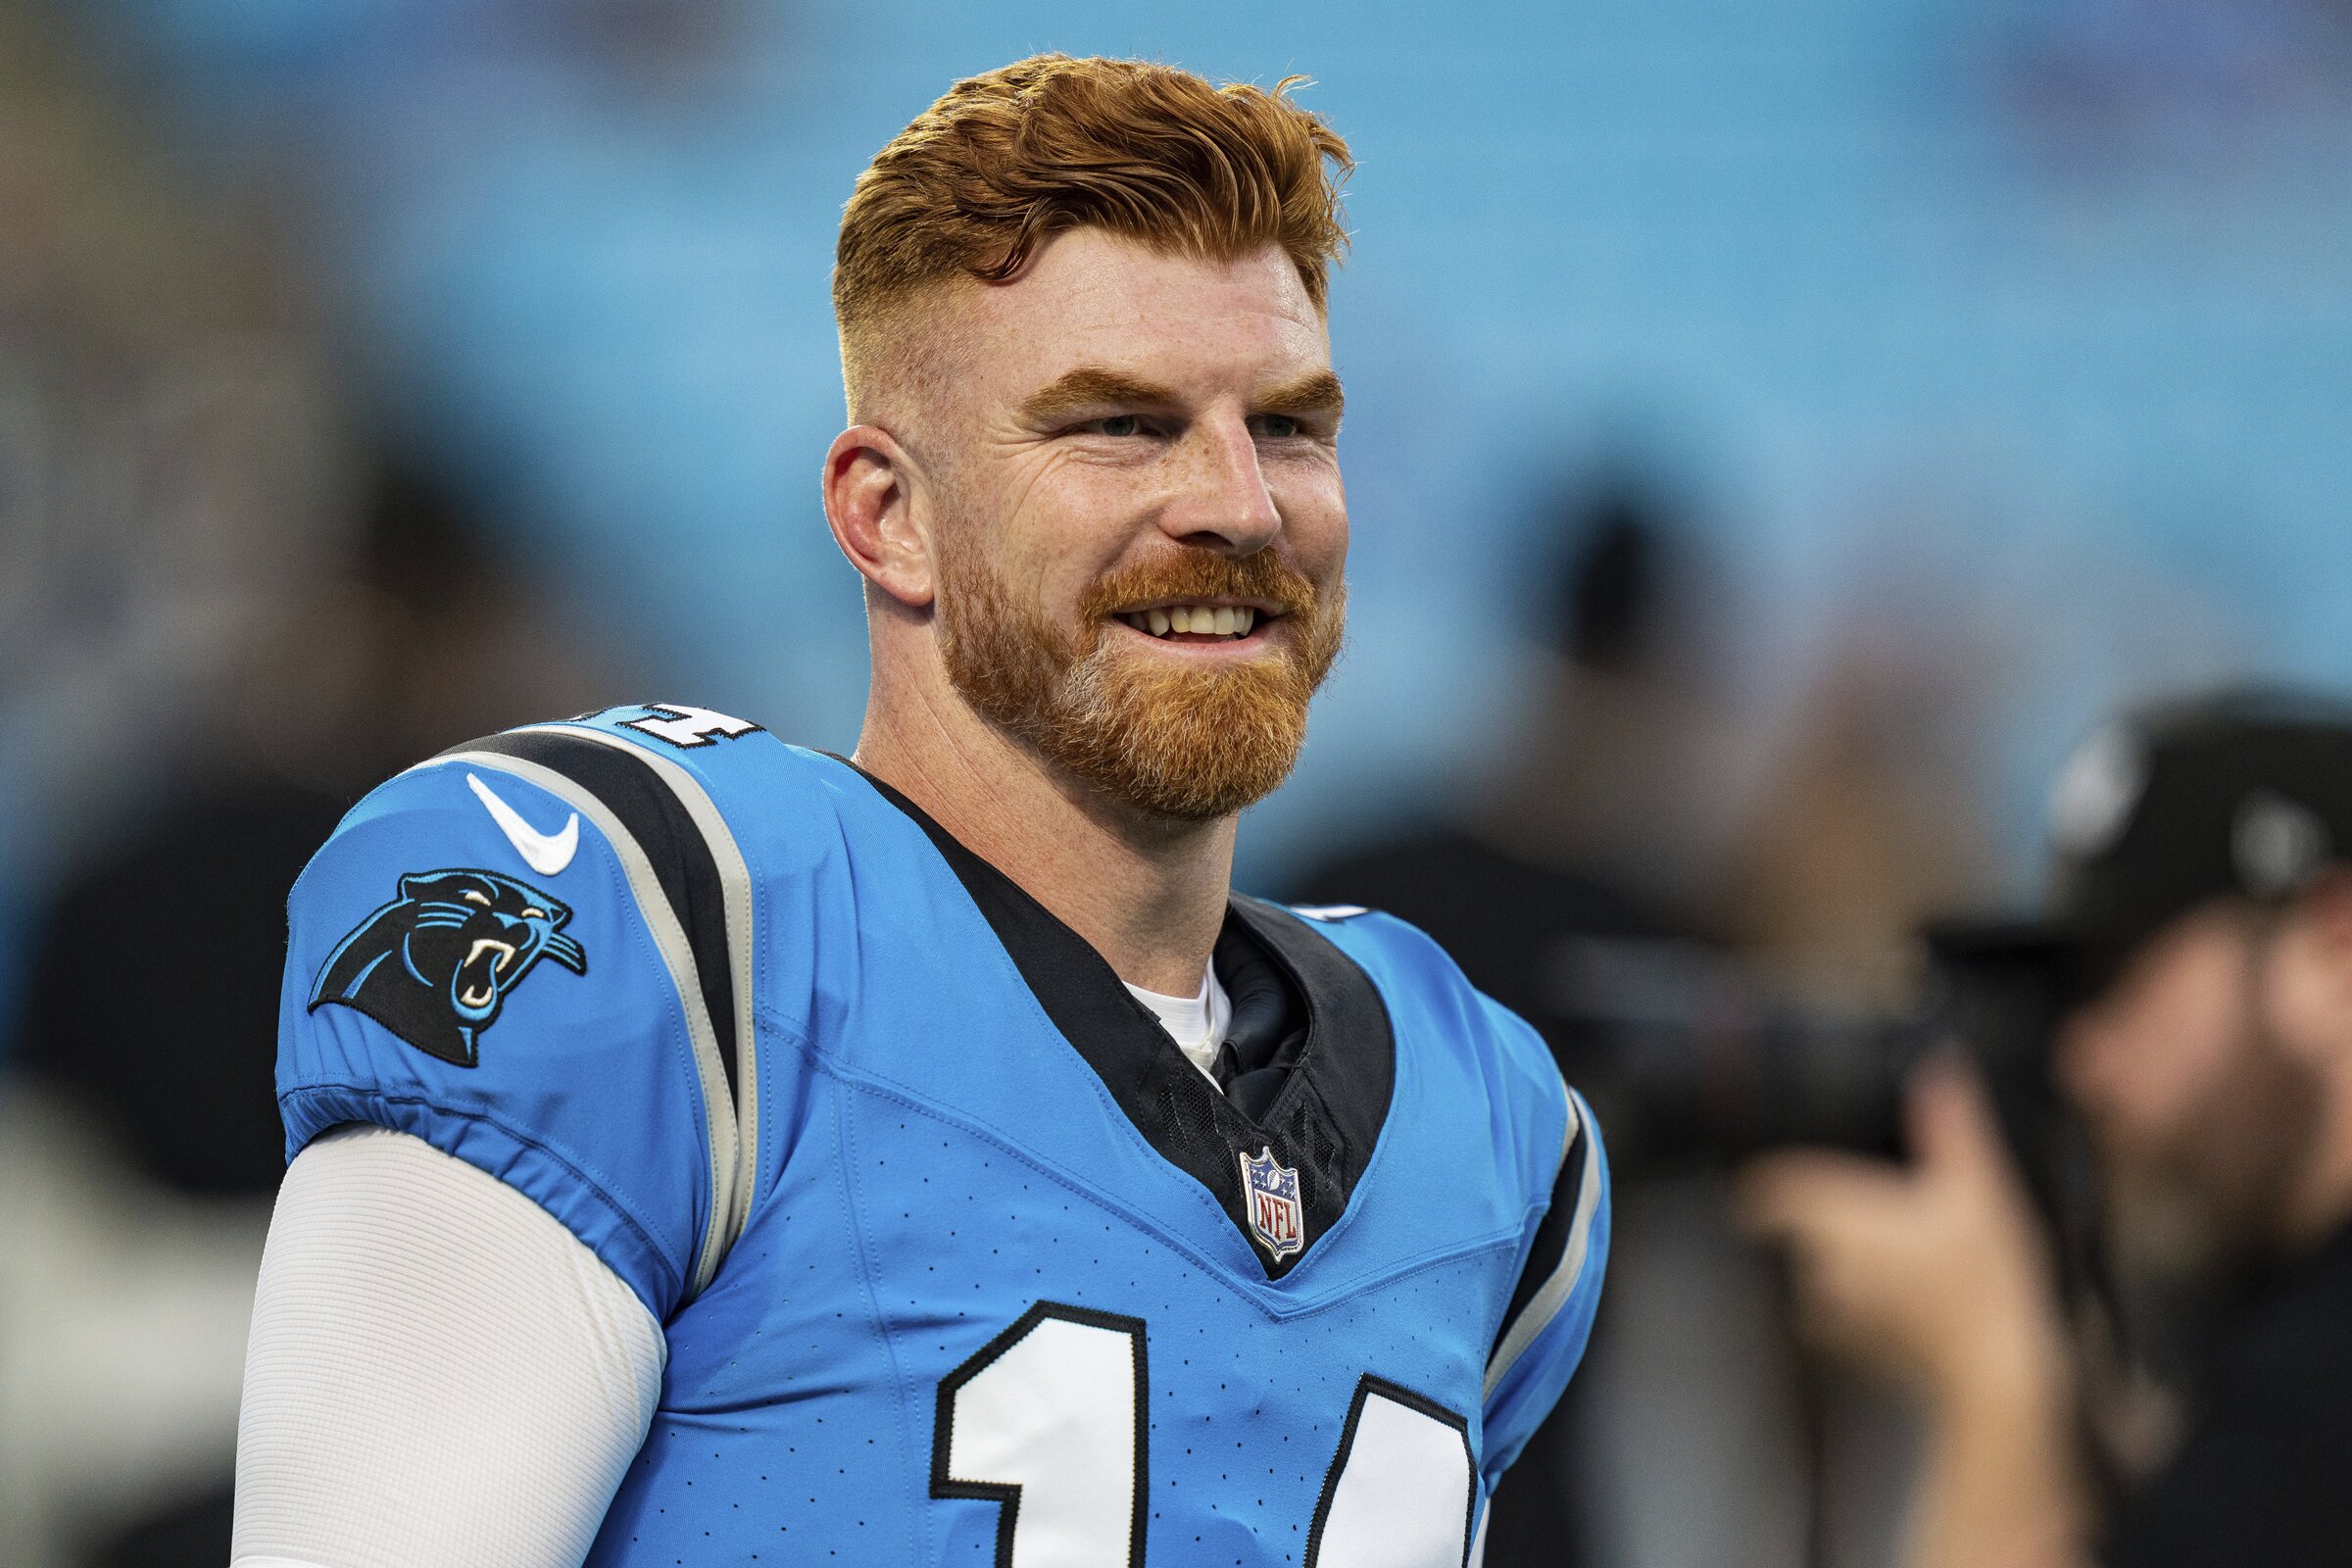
(927, 1156)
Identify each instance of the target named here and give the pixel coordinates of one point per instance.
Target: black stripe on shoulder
(654, 815)
(1551, 1235)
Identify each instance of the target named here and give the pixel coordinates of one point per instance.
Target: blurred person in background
(1585, 833)
(169, 468)
(423, 638)
(1860, 824)
(221, 616)
(2202, 921)
(140, 1135)
(1576, 851)
(1616, 877)
(1867, 820)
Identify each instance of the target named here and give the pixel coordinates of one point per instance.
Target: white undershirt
(1195, 1024)
(424, 1331)
(440, 1374)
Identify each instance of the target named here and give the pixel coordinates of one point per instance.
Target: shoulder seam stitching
(588, 1183)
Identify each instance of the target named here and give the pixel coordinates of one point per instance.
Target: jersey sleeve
(1544, 1329)
(524, 953)
(371, 1432)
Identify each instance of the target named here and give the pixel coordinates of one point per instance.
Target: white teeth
(1195, 621)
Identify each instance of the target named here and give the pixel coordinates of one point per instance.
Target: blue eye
(1277, 426)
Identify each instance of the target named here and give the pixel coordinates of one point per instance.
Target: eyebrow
(1090, 387)
(1316, 392)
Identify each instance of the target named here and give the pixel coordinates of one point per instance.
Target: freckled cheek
(1315, 519)
(1047, 505)
(1072, 527)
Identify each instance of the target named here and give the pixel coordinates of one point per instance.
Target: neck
(1147, 893)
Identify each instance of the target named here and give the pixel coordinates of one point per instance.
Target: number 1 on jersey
(1049, 1420)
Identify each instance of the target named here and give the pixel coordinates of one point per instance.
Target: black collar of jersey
(1308, 1062)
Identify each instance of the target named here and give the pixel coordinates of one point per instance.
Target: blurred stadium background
(377, 372)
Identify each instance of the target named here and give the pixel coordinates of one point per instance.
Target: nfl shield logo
(1271, 1194)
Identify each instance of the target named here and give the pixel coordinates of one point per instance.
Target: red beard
(1190, 744)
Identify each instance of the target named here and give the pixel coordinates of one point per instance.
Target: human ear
(876, 505)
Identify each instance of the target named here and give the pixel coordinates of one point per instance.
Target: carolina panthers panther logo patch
(434, 966)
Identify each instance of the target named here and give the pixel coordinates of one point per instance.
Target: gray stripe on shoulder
(1553, 1294)
(735, 878)
(677, 956)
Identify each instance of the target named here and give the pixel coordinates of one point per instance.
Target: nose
(1222, 500)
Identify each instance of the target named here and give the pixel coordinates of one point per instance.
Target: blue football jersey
(958, 1258)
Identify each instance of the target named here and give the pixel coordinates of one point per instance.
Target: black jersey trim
(649, 882)
(1324, 1121)
(1552, 1235)
(674, 844)
(1556, 1257)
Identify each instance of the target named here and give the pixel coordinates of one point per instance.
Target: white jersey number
(1045, 1420)
(1400, 1488)
(689, 727)
(1049, 1420)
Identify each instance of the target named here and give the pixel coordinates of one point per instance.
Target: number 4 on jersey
(688, 726)
(1049, 1420)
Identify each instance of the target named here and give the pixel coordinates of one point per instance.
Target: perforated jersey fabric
(437, 1238)
(440, 1375)
(957, 1256)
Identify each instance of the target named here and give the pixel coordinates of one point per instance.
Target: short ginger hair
(1005, 161)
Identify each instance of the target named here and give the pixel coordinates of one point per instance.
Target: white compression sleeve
(439, 1373)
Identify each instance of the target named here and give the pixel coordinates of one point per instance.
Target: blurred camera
(1690, 1059)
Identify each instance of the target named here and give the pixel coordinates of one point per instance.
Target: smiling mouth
(1196, 623)
(478, 981)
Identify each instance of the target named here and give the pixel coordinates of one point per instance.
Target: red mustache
(1262, 578)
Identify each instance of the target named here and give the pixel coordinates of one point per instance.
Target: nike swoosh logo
(544, 853)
